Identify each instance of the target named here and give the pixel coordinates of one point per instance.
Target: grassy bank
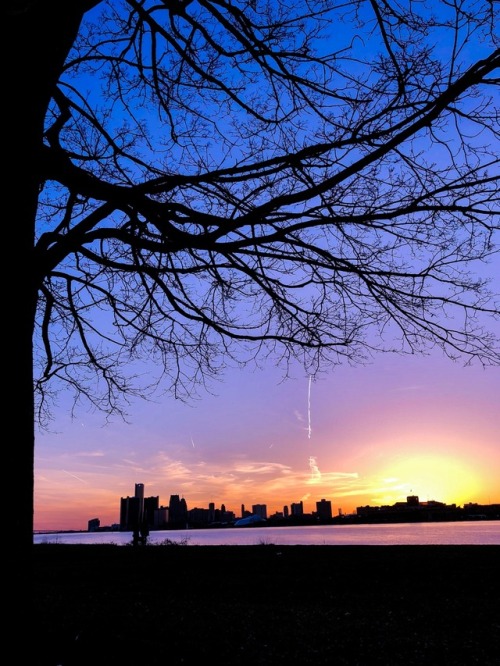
(266, 605)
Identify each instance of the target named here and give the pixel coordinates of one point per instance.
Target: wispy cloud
(415, 387)
(298, 416)
(260, 468)
(313, 466)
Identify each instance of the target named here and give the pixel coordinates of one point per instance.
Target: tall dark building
(324, 510)
(137, 510)
(151, 505)
(177, 512)
(139, 493)
(260, 510)
(130, 513)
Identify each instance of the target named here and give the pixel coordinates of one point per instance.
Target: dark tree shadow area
(265, 604)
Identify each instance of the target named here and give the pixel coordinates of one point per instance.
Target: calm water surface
(455, 533)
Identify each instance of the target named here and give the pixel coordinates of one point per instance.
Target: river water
(478, 533)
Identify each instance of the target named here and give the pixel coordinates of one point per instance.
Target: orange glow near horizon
(54, 515)
(430, 476)
(434, 477)
(375, 436)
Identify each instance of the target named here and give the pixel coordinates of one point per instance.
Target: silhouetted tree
(199, 181)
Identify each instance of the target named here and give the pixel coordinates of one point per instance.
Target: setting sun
(432, 477)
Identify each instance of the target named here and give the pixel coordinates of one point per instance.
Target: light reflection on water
(476, 533)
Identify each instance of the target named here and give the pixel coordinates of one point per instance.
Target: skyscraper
(129, 513)
(324, 510)
(260, 510)
(133, 512)
(139, 493)
(177, 511)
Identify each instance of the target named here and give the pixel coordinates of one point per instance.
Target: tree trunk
(40, 35)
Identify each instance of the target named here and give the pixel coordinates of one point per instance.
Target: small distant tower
(94, 525)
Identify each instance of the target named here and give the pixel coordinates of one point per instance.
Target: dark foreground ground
(263, 604)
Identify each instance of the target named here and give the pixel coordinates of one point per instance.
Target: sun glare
(434, 477)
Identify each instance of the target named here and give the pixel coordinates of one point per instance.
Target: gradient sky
(366, 435)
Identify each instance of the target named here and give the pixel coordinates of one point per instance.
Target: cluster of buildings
(139, 512)
(413, 510)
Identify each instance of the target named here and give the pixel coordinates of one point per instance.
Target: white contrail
(74, 476)
(309, 408)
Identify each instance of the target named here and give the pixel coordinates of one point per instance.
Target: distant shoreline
(273, 524)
